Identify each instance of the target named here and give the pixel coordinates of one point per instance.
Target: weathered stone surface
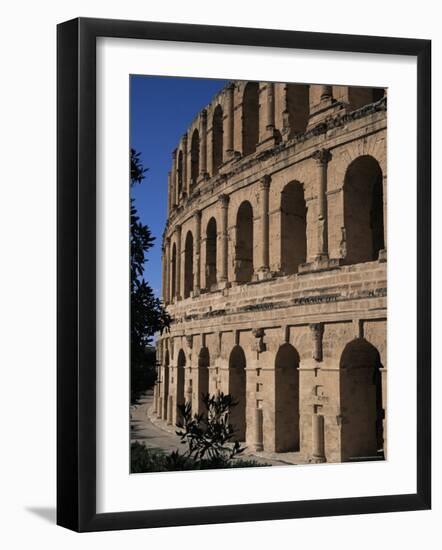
(275, 268)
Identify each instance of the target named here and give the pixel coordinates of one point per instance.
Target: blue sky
(161, 109)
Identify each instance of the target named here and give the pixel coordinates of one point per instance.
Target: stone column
(188, 397)
(197, 274)
(224, 199)
(185, 182)
(264, 190)
(160, 407)
(318, 438)
(230, 115)
(322, 157)
(259, 433)
(167, 270)
(326, 93)
(174, 182)
(169, 410)
(203, 144)
(155, 398)
(178, 263)
(317, 330)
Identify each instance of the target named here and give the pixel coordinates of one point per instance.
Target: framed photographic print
(236, 340)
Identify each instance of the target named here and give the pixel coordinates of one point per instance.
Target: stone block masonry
(274, 268)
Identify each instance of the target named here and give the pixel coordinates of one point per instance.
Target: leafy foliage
(143, 459)
(209, 435)
(148, 315)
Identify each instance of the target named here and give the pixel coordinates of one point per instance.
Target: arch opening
(293, 227)
(188, 265)
(237, 389)
(244, 243)
(287, 399)
(250, 118)
(361, 401)
(211, 246)
(217, 139)
(298, 108)
(195, 157)
(363, 211)
(358, 96)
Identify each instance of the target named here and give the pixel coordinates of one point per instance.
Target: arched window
(217, 139)
(244, 243)
(293, 227)
(363, 211)
(180, 173)
(250, 118)
(298, 107)
(359, 96)
(180, 397)
(237, 389)
(188, 265)
(211, 236)
(195, 157)
(287, 399)
(203, 378)
(173, 282)
(360, 390)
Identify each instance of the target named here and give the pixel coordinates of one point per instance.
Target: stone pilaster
(318, 453)
(317, 331)
(197, 275)
(178, 263)
(322, 157)
(203, 144)
(264, 191)
(224, 200)
(186, 185)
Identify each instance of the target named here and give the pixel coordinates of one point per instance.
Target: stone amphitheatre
(275, 268)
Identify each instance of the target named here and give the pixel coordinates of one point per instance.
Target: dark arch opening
(180, 173)
(237, 389)
(211, 237)
(173, 282)
(217, 139)
(180, 397)
(361, 401)
(195, 157)
(363, 210)
(298, 107)
(293, 227)
(250, 118)
(244, 243)
(358, 96)
(287, 399)
(203, 378)
(188, 265)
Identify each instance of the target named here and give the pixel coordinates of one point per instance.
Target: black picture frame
(76, 273)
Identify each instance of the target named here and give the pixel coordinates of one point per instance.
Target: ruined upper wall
(247, 117)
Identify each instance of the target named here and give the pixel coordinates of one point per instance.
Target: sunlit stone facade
(274, 268)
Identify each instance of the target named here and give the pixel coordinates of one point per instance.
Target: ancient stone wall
(274, 267)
